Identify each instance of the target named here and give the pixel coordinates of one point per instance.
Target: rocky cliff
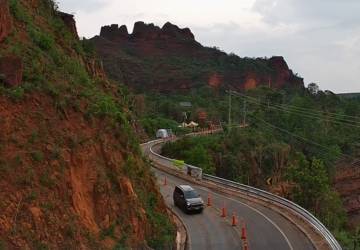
(72, 175)
(170, 59)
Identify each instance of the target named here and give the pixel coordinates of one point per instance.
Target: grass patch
(31, 196)
(108, 232)
(18, 11)
(43, 40)
(26, 179)
(70, 231)
(4, 167)
(163, 230)
(33, 137)
(46, 180)
(37, 156)
(15, 94)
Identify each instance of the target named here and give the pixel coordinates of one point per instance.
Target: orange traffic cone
(165, 181)
(245, 246)
(209, 200)
(234, 220)
(223, 211)
(243, 232)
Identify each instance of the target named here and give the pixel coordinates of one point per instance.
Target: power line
(343, 156)
(340, 121)
(305, 109)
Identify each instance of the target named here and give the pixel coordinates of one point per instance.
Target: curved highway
(265, 228)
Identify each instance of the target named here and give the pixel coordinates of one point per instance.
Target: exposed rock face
(5, 20)
(215, 80)
(170, 59)
(69, 21)
(63, 177)
(113, 32)
(11, 70)
(95, 68)
(174, 31)
(347, 184)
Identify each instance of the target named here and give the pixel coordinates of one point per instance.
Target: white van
(162, 133)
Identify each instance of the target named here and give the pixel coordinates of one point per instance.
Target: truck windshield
(191, 194)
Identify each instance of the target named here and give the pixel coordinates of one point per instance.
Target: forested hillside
(292, 146)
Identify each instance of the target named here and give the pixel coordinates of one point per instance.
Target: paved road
(265, 228)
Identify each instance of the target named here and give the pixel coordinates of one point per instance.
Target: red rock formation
(215, 80)
(113, 32)
(172, 30)
(69, 22)
(11, 70)
(5, 20)
(95, 68)
(251, 81)
(170, 59)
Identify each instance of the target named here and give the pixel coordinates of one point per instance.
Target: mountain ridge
(169, 59)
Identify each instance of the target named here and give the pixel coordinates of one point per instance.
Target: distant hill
(168, 59)
(349, 95)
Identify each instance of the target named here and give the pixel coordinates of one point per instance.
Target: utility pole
(269, 83)
(229, 118)
(244, 113)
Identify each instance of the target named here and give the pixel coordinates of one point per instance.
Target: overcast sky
(320, 39)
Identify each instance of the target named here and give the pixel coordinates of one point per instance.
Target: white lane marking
(267, 218)
(254, 209)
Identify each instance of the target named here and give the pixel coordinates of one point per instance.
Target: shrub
(46, 181)
(16, 94)
(18, 11)
(32, 196)
(43, 40)
(37, 156)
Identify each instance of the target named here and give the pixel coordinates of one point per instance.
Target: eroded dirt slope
(71, 172)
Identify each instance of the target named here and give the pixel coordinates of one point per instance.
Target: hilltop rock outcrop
(113, 32)
(69, 21)
(170, 59)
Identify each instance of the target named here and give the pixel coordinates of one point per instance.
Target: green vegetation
(293, 137)
(165, 231)
(41, 39)
(56, 69)
(37, 156)
(18, 11)
(2, 245)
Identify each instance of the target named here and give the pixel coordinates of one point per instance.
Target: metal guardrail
(255, 192)
(311, 219)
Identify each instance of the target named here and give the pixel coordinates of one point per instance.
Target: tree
(198, 156)
(311, 180)
(313, 88)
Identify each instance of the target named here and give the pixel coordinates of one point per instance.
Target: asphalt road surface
(265, 229)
